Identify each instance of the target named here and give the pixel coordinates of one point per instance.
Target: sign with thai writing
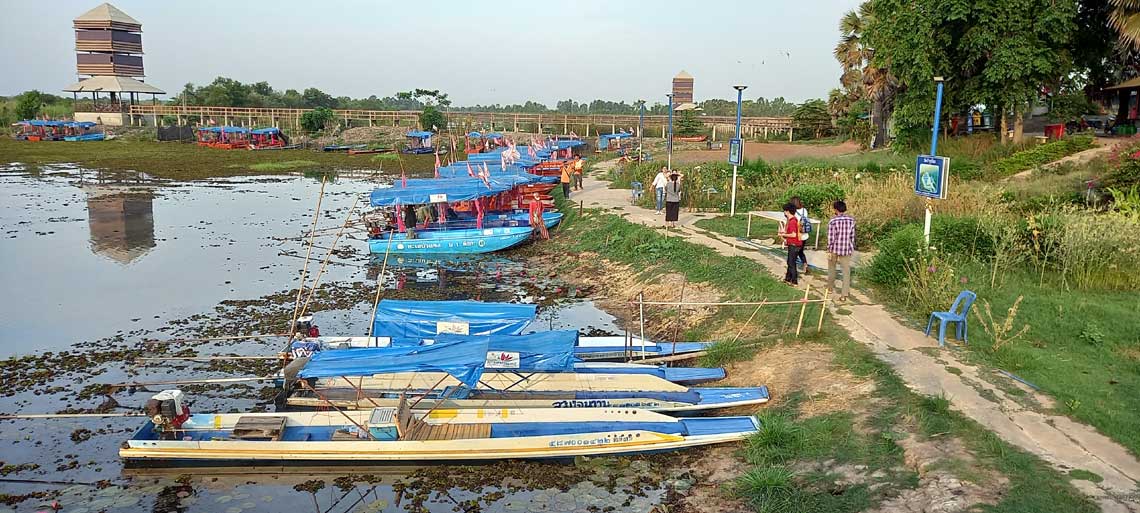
(735, 151)
(930, 176)
(502, 360)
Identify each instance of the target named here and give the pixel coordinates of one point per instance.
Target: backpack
(805, 225)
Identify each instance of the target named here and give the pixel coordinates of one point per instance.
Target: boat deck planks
(259, 428)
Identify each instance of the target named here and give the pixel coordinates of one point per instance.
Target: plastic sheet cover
(441, 192)
(546, 351)
(426, 319)
(462, 359)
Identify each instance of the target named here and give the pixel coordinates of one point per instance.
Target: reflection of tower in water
(121, 219)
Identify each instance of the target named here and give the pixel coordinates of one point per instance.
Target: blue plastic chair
(963, 302)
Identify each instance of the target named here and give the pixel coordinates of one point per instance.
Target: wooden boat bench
(413, 428)
(259, 428)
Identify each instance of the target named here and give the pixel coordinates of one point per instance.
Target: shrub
(317, 119)
(1126, 174)
(816, 197)
(432, 119)
(960, 236)
(688, 124)
(28, 104)
(1039, 155)
(889, 265)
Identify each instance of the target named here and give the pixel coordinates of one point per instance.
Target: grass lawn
(762, 228)
(1082, 347)
(790, 441)
(190, 162)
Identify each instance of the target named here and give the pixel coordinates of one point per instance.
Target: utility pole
(669, 141)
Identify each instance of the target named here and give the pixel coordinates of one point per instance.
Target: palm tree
(1125, 18)
(861, 78)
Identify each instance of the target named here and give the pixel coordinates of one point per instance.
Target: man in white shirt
(659, 183)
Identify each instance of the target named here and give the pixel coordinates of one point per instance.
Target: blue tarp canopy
(41, 122)
(419, 134)
(562, 144)
(418, 320)
(265, 131)
(462, 359)
(474, 135)
(226, 129)
(438, 191)
(493, 135)
(618, 135)
(512, 175)
(547, 351)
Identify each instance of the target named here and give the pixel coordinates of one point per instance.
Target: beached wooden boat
(691, 138)
(399, 434)
(369, 151)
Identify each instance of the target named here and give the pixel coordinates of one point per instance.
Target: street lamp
(640, 128)
(739, 102)
(669, 141)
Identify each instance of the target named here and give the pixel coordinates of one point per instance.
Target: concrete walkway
(1026, 421)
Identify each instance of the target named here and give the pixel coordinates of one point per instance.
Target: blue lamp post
(640, 128)
(669, 141)
(739, 107)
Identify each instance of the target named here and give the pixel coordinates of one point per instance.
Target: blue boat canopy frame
(462, 359)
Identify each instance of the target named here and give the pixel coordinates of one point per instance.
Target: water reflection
(121, 220)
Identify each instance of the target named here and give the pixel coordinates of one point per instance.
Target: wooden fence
(585, 125)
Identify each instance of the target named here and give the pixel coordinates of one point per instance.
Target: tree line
(1000, 56)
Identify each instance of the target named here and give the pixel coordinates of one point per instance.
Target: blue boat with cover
(537, 370)
(172, 435)
(441, 238)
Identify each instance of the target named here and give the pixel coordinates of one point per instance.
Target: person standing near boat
(791, 235)
(536, 221)
(659, 183)
(578, 165)
(673, 199)
(410, 221)
(565, 180)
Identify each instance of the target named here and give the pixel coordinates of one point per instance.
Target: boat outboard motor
(166, 411)
(303, 325)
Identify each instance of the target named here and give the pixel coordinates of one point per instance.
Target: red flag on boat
(469, 171)
(437, 164)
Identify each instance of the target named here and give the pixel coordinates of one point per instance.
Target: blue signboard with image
(930, 176)
(735, 151)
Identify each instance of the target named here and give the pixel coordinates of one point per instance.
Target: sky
(479, 52)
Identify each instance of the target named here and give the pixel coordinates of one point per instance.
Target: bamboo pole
(27, 416)
(201, 358)
(308, 253)
(677, 319)
(211, 339)
(803, 310)
(749, 321)
(328, 255)
(193, 381)
(822, 309)
(734, 303)
(674, 358)
(380, 286)
(641, 309)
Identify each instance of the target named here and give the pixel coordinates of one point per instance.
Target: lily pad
(222, 499)
(249, 505)
(233, 509)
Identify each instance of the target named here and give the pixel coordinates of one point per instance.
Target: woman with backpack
(805, 229)
(791, 235)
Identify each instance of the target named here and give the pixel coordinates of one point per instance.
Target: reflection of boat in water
(120, 218)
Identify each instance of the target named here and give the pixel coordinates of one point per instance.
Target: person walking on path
(805, 229)
(565, 180)
(673, 199)
(840, 247)
(659, 183)
(578, 165)
(791, 235)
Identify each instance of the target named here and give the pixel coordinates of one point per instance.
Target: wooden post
(822, 308)
(714, 132)
(641, 313)
(516, 123)
(765, 133)
(803, 309)
(565, 125)
(790, 129)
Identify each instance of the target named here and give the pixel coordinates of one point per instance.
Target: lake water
(95, 265)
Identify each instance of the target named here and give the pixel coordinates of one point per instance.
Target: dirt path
(770, 152)
(1026, 422)
(1101, 148)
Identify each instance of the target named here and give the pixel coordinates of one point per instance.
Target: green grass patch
(181, 161)
(282, 166)
(1085, 475)
(1038, 155)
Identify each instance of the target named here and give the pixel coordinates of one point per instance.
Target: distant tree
(29, 104)
(313, 98)
(432, 119)
(812, 115)
(687, 124)
(317, 119)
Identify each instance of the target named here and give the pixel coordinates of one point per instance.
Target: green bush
(816, 197)
(688, 124)
(1039, 155)
(889, 265)
(432, 119)
(1125, 175)
(960, 236)
(317, 119)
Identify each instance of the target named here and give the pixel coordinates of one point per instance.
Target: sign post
(931, 171)
(736, 147)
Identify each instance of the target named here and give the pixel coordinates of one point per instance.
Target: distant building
(683, 91)
(108, 46)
